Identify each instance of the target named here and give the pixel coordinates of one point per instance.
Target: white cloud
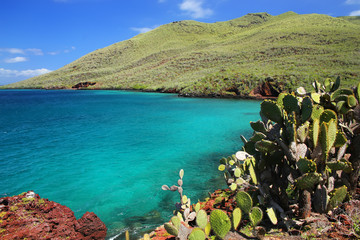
(355, 13)
(195, 9)
(16, 60)
(23, 73)
(35, 51)
(142, 30)
(352, 2)
(12, 50)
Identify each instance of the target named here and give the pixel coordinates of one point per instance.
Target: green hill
(224, 57)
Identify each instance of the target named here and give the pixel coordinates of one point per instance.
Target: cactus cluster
(303, 142)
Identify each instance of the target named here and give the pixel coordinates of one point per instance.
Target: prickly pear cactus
(255, 215)
(337, 197)
(201, 219)
(220, 223)
(244, 201)
(197, 234)
(236, 218)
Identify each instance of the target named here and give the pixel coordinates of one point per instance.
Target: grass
(194, 57)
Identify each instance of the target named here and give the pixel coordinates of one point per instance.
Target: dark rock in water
(81, 85)
(27, 216)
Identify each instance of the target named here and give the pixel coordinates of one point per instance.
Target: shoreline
(179, 94)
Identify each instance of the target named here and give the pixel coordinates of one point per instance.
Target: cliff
(27, 216)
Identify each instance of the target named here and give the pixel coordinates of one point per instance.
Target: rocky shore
(27, 216)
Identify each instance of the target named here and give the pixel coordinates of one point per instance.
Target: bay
(109, 152)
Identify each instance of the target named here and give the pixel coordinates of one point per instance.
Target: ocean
(109, 152)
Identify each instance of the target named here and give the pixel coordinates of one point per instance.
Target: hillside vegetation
(229, 57)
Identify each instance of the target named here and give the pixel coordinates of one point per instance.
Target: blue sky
(38, 36)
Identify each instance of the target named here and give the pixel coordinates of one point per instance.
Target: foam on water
(111, 151)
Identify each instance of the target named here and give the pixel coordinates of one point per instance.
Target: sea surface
(109, 152)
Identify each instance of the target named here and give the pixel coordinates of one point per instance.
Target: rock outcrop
(83, 85)
(27, 216)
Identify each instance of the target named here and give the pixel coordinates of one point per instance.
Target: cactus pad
(351, 101)
(220, 223)
(306, 109)
(171, 229)
(197, 234)
(305, 165)
(258, 126)
(340, 139)
(272, 215)
(244, 201)
(255, 215)
(327, 115)
(236, 218)
(265, 146)
(308, 180)
(342, 91)
(316, 112)
(343, 164)
(291, 104)
(271, 111)
(337, 197)
(201, 219)
(176, 221)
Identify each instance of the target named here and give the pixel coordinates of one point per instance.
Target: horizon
(57, 32)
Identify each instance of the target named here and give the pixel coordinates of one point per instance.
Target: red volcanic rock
(27, 216)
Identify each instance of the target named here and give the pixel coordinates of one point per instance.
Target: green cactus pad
(336, 84)
(197, 234)
(291, 104)
(249, 147)
(340, 139)
(351, 101)
(208, 229)
(306, 109)
(265, 146)
(258, 126)
(201, 219)
(176, 221)
(197, 207)
(253, 174)
(315, 131)
(341, 98)
(280, 98)
(257, 137)
(342, 91)
(272, 215)
(327, 115)
(244, 201)
(221, 167)
(305, 165)
(342, 164)
(337, 197)
(220, 223)
(328, 135)
(271, 111)
(236, 218)
(237, 172)
(358, 92)
(255, 215)
(316, 85)
(315, 97)
(302, 132)
(308, 180)
(328, 85)
(342, 107)
(171, 229)
(316, 112)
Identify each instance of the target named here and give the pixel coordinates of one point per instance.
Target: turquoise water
(110, 152)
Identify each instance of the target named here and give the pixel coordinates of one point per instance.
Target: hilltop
(220, 58)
